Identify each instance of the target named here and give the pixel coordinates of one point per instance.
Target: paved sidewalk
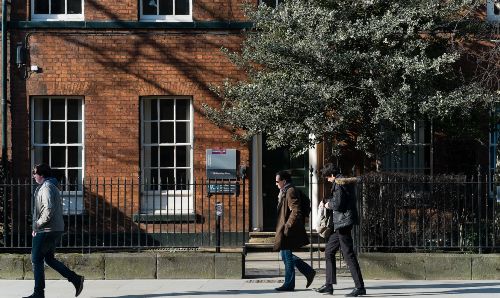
(262, 287)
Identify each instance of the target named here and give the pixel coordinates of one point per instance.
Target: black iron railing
(429, 213)
(129, 214)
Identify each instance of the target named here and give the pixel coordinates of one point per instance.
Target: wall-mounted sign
(221, 169)
(223, 188)
(221, 164)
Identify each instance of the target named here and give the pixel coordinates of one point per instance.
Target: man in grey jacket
(48, 227)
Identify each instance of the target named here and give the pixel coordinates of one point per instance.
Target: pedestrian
(342, 203)
(290, 232)
(48, 227)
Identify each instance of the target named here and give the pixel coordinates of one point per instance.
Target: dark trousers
(342, 239)
(44, 245)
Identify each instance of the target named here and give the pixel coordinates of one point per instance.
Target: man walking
(342, 204)
(290, 232)
(48, 226)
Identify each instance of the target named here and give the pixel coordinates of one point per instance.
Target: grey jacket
(47, 208)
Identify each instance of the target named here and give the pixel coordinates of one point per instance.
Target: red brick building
(114, 89)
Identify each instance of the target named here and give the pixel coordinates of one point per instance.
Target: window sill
(167, 218)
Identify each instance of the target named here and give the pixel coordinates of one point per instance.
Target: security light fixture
(20, 55)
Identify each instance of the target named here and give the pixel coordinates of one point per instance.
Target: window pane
(182, 177)
(182, 7)
(167, 110)
(75, 179)
(182, 132)
(153, 177)
(166, 7)
(41, 155)
(74, 109)
(154, 156)
(166, 156)
(74, 156)
(150, 109)
(150, 133)
(154, 109)
(74, 6)
(41, 106)
(58, 7)
(41, 133)
(58, 155)
(166, 132)
(270, 3)
(182, 156)
(41, 6)
(57, 109)
(57, 132)
(182, 109)
(149, 7)
(167, 179)
(74, 132)
(59, 174)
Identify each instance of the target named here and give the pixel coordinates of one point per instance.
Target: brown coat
(290, 230)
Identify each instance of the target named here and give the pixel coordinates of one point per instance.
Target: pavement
(257, 287)
(264, 272)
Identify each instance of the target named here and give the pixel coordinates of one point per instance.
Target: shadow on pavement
(440, 289)
(202, 293)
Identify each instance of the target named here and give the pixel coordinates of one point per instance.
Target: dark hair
(284, 175)
(330, 169)
(43, 170)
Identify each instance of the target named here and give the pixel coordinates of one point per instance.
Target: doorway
(274, 161)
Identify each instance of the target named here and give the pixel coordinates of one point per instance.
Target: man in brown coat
(290, 232)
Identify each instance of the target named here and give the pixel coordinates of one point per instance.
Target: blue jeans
(43, 248)
(291, 261)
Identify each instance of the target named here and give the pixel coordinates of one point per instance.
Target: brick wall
(112, 71)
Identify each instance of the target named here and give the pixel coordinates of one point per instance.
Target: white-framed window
(57, 132)
(57, 10)
(167, 155)
(493, 10)
(271, 3)
(166, 10)
(412, 155)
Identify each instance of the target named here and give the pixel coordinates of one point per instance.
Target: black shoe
(327, 289)
(283, 289)
(357, 292)
(310, 278)
(78, 283)
(36, 295)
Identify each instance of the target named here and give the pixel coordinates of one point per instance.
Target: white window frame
(167, 18)
(165, 202)
(57, 17)
(72, 199)
(490, 11)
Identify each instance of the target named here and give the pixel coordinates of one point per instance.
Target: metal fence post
(243, 176)
(218, 213)
(311, 170)
(479, 208)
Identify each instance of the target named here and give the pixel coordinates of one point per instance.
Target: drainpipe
(4, 83)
